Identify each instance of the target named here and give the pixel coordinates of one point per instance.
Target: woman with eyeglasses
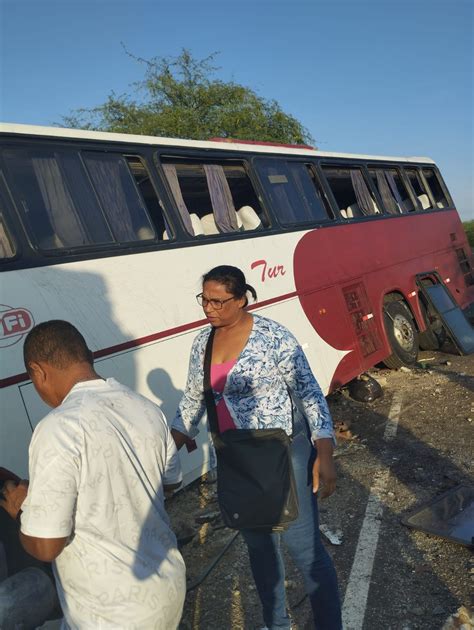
(257, 367)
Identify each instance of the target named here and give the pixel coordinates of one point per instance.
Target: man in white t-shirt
(99, 464)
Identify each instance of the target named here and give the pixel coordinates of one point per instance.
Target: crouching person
(99, 465)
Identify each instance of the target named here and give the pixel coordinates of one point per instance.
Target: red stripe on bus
(140, 341)
(13, 380)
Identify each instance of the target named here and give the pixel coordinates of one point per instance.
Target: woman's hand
(324, 471)
(179, 438)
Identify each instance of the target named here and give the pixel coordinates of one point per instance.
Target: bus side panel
(327, 312)
(130, 308)
(15, 432)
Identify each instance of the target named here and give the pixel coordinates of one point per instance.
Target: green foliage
(469, 229)
(180, 98)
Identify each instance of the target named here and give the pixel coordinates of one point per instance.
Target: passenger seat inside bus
(249, 218)
(354, 210)
(209, 224)
(196, 225)
(425, 201)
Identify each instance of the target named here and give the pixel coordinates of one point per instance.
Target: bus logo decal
(268, 272)
(14, 324)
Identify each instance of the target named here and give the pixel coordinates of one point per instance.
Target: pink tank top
(219, 372)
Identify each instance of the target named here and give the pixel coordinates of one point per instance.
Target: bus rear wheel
(402, 335)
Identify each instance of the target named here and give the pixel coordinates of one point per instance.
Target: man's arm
(44, 549)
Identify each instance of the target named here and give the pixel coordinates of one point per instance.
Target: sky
(388, 77)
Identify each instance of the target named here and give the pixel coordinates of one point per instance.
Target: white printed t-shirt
(98, 463)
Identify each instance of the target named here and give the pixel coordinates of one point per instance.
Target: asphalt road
(407, 447)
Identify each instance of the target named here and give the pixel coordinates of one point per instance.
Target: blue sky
(392, 77)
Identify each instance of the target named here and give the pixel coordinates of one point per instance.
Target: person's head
(56, 356)
(224, 294)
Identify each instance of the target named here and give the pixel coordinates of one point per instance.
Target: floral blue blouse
(256, 392)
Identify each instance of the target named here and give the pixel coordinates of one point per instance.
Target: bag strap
(208, 394)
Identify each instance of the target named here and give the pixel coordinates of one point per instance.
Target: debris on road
(449, 516)
(207, 517)
(343, 431)
(334, 537)
(462, 619)
(364, 388)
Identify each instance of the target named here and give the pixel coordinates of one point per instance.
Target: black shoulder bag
(255, 481)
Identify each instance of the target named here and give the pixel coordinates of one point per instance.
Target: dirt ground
(417, 580)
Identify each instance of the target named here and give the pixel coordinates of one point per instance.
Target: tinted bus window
(435, 187)
(55, 199)
(294, 192)
(353, 196)
(7, 246)
(213, 198)
(419, 188)
(119, 197)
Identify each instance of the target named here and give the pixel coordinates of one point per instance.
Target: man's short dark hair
(58, 343)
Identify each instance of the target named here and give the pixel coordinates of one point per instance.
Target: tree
(179, 97)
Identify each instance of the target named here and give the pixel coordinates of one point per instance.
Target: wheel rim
(403, 331)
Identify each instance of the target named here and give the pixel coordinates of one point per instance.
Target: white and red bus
(113, 233)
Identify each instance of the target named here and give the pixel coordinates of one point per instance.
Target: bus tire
(402, 335)
(435, 335)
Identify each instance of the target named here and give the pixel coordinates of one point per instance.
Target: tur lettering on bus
(266, 271)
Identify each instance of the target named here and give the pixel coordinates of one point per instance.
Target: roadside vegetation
(469, 229)
(181, 97)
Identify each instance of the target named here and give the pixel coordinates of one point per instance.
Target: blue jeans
(304, 544)
(27, 599)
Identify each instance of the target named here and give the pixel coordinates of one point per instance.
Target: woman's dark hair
(233, 279)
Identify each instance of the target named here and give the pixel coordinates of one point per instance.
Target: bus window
(419, 188)
(213, 198)
(353, 196)
(7, 246)
(54, 198)
(435, 187)
(392, 189)
(119, 197)
(153, 204)
(294, 192)
(387, 192)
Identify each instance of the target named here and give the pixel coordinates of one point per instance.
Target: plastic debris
(450, 515)
(364, 388)
(207, 517)
(335, 538)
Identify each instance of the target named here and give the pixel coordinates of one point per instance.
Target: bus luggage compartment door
(440, 299)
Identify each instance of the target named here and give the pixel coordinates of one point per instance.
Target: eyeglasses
(215, 303)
